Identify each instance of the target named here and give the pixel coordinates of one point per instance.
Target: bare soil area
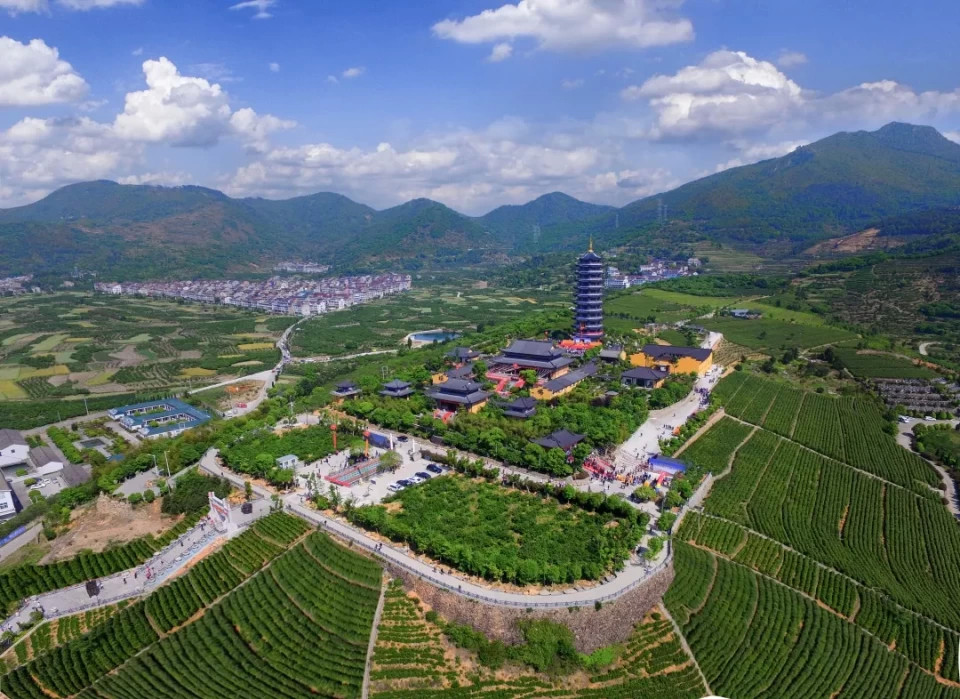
(108, 521)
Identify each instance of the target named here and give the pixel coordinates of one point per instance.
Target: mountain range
(830, 188)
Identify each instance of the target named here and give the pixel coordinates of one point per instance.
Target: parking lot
(368, 491)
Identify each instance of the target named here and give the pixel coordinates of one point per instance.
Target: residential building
(563, 385)
(8, 501)
(673, 359)
(538, 355)
(396, 389)
(13, 448)
(456, 394)
(588, 297)
(287, 461)
(642, 377)
(45, 460)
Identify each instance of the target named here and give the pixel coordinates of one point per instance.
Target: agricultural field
(772, 335)
(753, 637)
(70, 345)
(848, 429)
(876, 365)
(502, 534)
(867, 557)
(300, 625)
(633, 309)
(383, 324)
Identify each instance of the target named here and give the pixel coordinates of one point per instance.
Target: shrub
(30, 481)
(21, 472)
(135, 498)
(148, 495)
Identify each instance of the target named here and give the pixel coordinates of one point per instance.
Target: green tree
(248, 490)
(644, 493)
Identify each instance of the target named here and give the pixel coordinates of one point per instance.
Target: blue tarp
(663, 463)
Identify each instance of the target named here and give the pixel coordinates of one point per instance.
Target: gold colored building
(674, 360)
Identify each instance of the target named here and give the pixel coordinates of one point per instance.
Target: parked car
(415, 479)
(434, 468)
(904, 418)
(930, 418)
(402, 438)
(406, 482)
(395, 487)
(423, 475)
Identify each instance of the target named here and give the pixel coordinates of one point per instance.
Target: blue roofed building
(159, 418)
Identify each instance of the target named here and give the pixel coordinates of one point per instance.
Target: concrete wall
(592, 629)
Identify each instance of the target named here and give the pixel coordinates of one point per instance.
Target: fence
(533, 602)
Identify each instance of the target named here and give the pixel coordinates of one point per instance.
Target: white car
(415, 479)
(930, 418)
(395, 487)
(42, 483)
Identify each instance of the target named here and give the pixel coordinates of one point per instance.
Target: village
(285, 295)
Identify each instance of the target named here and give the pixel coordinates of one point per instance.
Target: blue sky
(474, 103)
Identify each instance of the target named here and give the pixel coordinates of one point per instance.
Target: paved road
(635, 571)
(905, 439)
(126, 584)
(30, 536)
(645, 442)
(922, 349)
(327, 358)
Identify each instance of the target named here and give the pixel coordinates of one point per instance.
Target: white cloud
(354, 72)
(728, 91)
(500, 52)
(332, 79)
(163, 178)
(952, 135)
(788, 59)
(188, 111)
(254, 130)
(17, 6)
(509, 161)
(37, 155)
(754, 152)
(571, 84)
(274, 67)
(565, 25)
(84, 5)
(137, 51)
(214, 71)
(261, 7)
(33, 74)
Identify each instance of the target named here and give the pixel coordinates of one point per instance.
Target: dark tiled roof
(41, 456)
(561, 438)
(643, 373)
(396, 385)
(574, 377)
(460, 372)
(458, 391)
(674, 352)
(9, 438)
(462, 353)
(75, 474)
(534, 348)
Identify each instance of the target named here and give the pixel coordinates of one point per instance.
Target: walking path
(905, 440)
(685, 646)
(372, 643)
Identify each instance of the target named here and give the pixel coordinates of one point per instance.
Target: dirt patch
(128, 356)
(591, 628)
(867, 239)
(108, 521)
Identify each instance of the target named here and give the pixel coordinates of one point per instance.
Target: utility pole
(85, 405)
(167, 462)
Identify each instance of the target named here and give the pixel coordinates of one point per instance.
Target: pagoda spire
(590, 249)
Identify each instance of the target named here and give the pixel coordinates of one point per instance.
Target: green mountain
(837, 185)
(828, 189)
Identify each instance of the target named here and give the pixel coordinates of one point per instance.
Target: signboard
(219, 512)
